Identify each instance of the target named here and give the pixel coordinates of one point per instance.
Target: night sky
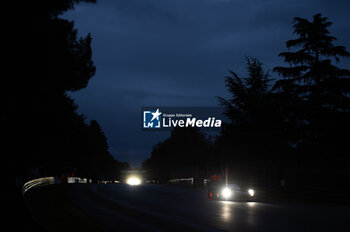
(177, 53)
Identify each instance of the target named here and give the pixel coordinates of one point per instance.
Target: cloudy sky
(177, 53)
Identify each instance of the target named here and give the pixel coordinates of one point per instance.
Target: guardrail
(182, 181)
(37, 182)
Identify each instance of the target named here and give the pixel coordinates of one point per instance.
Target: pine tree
(254, 135)
(248, 94)
(315, 94)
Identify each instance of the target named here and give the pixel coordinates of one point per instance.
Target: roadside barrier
(37, 182)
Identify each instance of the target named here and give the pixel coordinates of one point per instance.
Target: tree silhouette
(248, 94)
(42, 133)
(38, 117)
(314, 97)
(97, 162)
(186, 153)
(315, 92)
(254, 135)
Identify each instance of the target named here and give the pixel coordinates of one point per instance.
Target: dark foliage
(294, 129)
(319, 92)
(43, 131)
(254, 135)
(186, 153)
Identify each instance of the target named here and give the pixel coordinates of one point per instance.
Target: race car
(221, 191)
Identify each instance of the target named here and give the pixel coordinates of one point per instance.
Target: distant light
(251, 204)
(134, 181)
(226, 193)
(251, 192)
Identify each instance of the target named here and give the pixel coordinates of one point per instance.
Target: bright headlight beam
(226, 193)
(251, 192)
(133, 181)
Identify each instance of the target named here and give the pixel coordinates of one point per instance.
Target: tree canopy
(292, 127)
(39, 118)
(317, 90)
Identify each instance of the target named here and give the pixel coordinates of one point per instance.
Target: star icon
(156, 115)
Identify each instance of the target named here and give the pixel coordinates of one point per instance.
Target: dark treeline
(44, 134)
(187, 153)
(293, 127)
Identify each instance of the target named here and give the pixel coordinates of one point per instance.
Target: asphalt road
(166, 208)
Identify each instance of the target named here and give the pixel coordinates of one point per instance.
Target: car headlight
(226, 192)
(133, 181)
(251, 192)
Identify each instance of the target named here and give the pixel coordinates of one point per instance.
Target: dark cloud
(174, 53)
